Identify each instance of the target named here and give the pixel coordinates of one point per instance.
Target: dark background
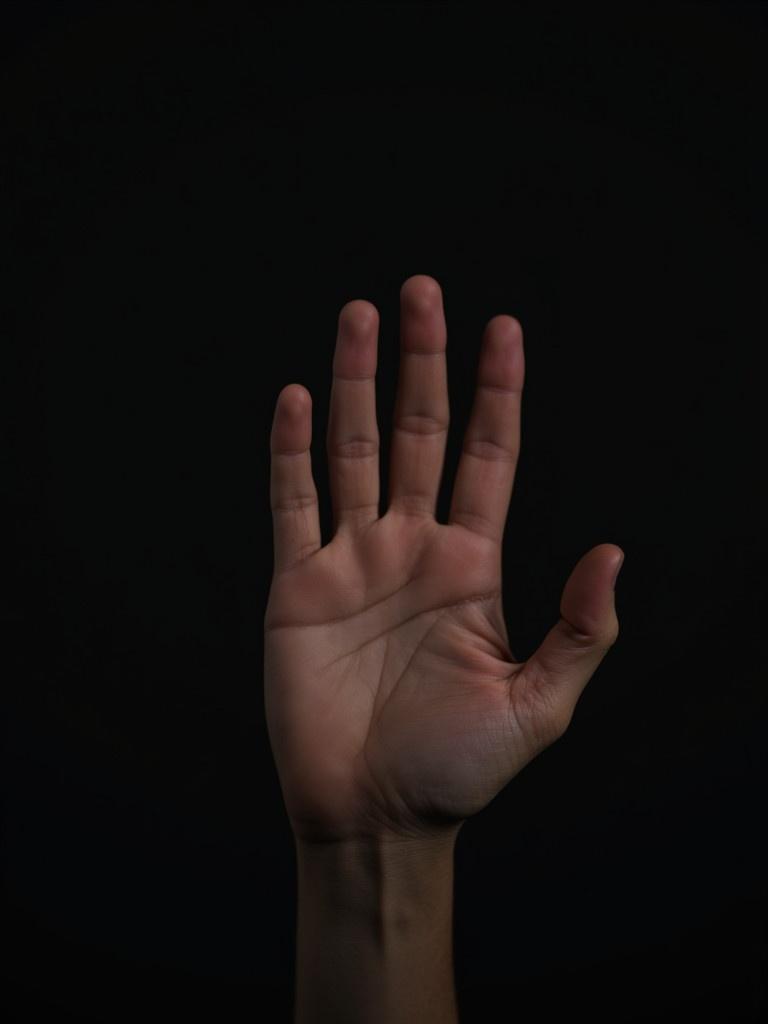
(191, 194)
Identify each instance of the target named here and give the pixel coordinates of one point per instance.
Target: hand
(394, 705)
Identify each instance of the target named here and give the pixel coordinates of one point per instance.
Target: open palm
(394, 705)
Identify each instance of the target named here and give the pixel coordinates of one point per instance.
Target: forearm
(374, 940)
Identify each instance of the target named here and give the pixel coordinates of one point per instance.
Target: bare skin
(395, 707)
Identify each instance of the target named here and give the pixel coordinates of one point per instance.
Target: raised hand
(394, 705)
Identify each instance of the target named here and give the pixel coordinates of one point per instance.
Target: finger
(293, 496)
(486, 470)
(421, 418)
(588, 627)
(353, 433)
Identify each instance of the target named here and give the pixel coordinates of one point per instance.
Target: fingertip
(508, 326)
(616, 568)
(292, 421)
(360, 314)
(294, 399)
(615, 553)
(421, 292)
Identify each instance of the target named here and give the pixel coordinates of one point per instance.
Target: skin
(395, 707)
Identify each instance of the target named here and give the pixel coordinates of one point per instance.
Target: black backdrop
(191, 194)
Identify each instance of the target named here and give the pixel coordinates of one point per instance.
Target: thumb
(588, 627)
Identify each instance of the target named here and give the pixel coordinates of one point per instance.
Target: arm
(395, 707)
(374, 938)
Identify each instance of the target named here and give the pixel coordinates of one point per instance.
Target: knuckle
(492, 451)
(358, 448)
(416, 505)
(608, 637)
(294, 503)
(421, 423)
(471, 518)
(577, 638)
(600, 639)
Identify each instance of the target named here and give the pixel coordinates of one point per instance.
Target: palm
(393, 702)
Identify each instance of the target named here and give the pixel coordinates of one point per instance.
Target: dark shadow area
(190, 194)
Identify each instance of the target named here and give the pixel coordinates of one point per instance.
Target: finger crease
(489, 451)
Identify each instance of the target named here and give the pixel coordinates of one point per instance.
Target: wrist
(379, 879)
(375, 930)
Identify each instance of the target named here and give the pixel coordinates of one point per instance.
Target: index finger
(486, 471)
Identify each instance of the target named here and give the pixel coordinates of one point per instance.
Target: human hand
(394, 705)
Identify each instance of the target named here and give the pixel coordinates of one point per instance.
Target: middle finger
(421, 418)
